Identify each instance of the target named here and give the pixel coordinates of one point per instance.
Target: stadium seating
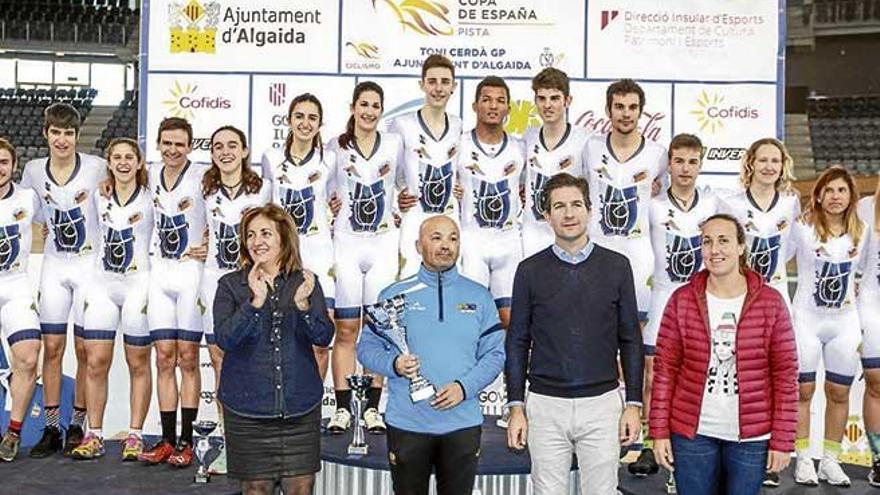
(122, 124)
(109, 22)
(846, 130)
(21, 115)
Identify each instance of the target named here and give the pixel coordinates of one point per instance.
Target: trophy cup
(359, 385)
(203, 428)
(386, 320)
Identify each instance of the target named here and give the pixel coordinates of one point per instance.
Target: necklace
(232, 187)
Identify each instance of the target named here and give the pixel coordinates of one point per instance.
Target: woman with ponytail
(299, 175)
(366, 239)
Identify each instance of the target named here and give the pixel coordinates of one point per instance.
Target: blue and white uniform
(869, 289)
(301, 189)
(620, 193)
(678, 255)
(824, 312)
(366, 239)
(491, 245)
(18, 315)
(428, 172)
(224, 217)
(69, 253)
(118, 296)
(179, 217)
(767, 234)
(542, 164)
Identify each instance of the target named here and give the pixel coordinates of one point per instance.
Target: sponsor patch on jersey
(184, 204)
(19, 214)
(640, 176)
(452, 151)
(415, 306)
(384, 169)
(781, 224)
(137, 217)
(509, 168)
(315, 176)
(81, 196)
(467, 307)
(565, 163)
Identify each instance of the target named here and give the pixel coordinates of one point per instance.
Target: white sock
(137, 432)
(98, 432)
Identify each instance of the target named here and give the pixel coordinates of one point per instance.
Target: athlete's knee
(836, 394)
(25, 362)
(189, 360)
(346, 335)
(53, 349)
(872, 389)
(806, 391)
(166, 359)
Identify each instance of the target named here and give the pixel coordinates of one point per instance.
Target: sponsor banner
(271, 99)
(206, 101)
(240, 35)
(687, 40)
(480, 36)
(588, 110)
(727, 118)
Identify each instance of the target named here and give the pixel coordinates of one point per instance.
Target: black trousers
(452, 457)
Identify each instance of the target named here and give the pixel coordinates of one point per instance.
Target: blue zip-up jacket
(452, 326)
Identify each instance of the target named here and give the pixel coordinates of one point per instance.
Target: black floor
(58, 475)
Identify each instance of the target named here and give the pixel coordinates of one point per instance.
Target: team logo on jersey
(228, 246)
(683, 257)
(435, 187)
(69, 227)
(492, 204)
(300, 204)
(764, 256)
(538, 195)
(367, 206)
(118, 249)
(173, 235)
(10, 245)
(619, 210)
(832, 280)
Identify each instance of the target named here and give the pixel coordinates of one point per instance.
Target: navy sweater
(568, 324)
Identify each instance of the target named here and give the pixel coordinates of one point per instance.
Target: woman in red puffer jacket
(725, 373)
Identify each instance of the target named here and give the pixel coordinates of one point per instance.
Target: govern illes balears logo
(193, 26)
(185, 100)
(712, 112)
(426, 17)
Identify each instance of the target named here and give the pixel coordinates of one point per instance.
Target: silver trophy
(359, 385)
(386, 320)
(204, 428)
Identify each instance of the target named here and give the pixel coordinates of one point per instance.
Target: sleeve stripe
(494, 328)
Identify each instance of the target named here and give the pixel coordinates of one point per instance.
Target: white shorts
(835, 337)
(641, 259)
(869, 315)
(491, 258)
(173, 311)
(18, 315)
(536, 237)
(659, 297)
(317, 256)
(114, 301)
(207, 291)
(410, 260)
(364, 266)
(62, 287)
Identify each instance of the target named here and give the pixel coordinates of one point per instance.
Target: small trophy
(203, 428)
(359, 385)
(386, 320)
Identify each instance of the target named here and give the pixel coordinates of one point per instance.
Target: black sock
(373, 396)
(169, 426)
(343, 399)
(53, 416)
(187, 416)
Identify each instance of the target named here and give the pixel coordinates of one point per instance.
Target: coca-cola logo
(650, 125)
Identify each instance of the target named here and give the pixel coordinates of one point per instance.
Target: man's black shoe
(644, 465)
(49, 443)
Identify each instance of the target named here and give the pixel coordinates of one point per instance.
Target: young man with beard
(64, 182)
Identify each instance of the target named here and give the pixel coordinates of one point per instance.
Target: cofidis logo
(712, 111)
(185, 101)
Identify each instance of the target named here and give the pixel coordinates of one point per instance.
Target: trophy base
(201, 478)
(422, 394)
(358, 449)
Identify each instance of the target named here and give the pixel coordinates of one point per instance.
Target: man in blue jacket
(456, 341)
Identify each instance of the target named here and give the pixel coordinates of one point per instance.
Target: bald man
(456, 342)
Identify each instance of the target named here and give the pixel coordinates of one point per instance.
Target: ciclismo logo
(186, 100)
(713, 111)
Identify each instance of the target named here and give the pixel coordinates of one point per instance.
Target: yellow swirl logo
(523, 114)
(427, 17)
(365, 49)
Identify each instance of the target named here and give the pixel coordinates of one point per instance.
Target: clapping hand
(301, 297)
(260, 285)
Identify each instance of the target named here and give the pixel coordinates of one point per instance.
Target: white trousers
(586, 426)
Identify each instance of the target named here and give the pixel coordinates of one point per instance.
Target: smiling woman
(731, 320)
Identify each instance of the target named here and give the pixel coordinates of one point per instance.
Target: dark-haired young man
(64, 182)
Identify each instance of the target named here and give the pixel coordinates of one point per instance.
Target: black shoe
(644, 465)
(874, 474)
(771, 480)
(49, 443)
(74, 438)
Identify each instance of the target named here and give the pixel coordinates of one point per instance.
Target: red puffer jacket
(766, 364)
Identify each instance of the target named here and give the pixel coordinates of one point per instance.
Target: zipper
(440, 293)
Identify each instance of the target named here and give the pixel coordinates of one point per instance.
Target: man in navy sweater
(573, 313)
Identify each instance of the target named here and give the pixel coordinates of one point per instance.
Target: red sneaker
(158, 453)
(182, 456)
